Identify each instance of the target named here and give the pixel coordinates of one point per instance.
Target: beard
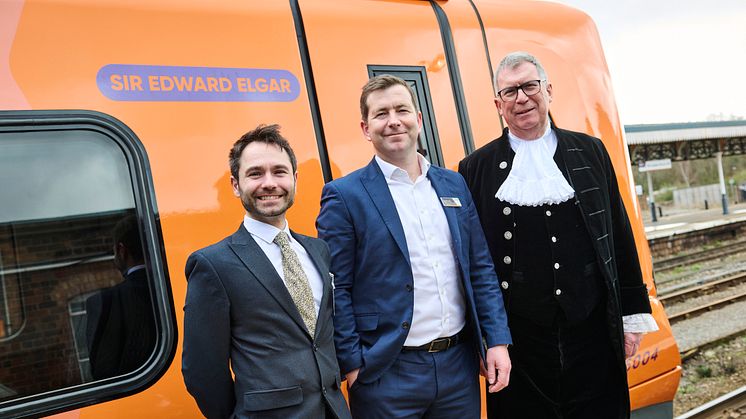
(251, 206)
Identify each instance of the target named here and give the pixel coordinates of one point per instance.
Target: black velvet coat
(588, 169)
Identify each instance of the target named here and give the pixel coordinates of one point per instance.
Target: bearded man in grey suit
(259, 302)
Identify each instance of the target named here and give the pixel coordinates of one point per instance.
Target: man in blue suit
(417, 298)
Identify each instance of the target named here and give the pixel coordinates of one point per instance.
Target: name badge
(450, 202)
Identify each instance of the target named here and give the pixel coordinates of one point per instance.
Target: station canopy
(685, 141)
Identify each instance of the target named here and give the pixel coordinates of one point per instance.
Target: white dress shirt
(438, 294)
(264, 235)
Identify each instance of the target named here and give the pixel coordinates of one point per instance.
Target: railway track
(714, 305)
(701, 288)
(700, 256)
(731, 405)
(691, 352)
(718, 303)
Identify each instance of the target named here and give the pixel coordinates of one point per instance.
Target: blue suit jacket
(373, 277)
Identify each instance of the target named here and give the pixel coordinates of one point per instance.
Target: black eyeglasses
(530, 88)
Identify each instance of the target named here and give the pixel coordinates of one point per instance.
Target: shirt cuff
(639, 323)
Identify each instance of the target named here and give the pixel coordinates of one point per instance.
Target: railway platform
(677, 221)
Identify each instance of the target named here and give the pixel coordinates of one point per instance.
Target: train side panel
(142, 63)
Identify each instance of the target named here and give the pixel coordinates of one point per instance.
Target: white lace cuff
(639, 323)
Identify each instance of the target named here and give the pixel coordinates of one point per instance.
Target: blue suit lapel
(444, 190)
(374, 183)
(252, 256)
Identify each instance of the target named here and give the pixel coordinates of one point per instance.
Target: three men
(565, 255)
(259, 302)
(417, 299)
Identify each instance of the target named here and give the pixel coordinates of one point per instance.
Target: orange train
(121, 107)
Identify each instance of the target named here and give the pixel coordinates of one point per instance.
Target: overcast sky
(673, 60)
(61, 173)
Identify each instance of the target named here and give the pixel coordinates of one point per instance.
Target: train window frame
(416, 77)
(148, 222)
(7, 332)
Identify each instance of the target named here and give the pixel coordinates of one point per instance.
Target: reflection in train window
(76, 299)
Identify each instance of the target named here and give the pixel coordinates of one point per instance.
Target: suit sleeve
(207, 337)
(334, 225)
(633, 292)
(464, 171)
(487, 296)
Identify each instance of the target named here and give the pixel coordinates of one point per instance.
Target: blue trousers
(422, 385)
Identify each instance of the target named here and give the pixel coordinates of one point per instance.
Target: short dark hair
(126, 231)
(381, 82)
(268, 134)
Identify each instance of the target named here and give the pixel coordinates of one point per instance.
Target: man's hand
(498, 367)
(631, 343)
(352, 377)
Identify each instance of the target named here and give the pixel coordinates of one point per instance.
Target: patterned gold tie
(297, 282)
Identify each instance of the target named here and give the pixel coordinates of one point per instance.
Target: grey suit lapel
(252, 256)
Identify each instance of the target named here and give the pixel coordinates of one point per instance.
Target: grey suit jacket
(239, 315)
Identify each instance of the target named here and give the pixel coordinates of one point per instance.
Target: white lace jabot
(534, 178)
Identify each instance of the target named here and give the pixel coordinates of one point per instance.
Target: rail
(701, 288)
(731, 405)
(699, 256)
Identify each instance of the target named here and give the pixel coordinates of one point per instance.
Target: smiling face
(393, 123)
(527, 116)
(266, 183)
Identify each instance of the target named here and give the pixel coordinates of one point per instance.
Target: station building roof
(686, 131)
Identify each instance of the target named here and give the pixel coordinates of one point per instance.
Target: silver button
(554, 239)
(506, 210)
(503, 164)
(507, 260)
(508, 235)
(549, 213)
(504, 284)
(558, 291)
(556, 266)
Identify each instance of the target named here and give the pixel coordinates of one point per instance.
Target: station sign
(651, 165)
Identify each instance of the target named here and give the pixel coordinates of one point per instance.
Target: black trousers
(564, 371)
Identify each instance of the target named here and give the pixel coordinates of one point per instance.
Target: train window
(79, 281)
(416, 77)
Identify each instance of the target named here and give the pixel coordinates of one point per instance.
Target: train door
(350, 41)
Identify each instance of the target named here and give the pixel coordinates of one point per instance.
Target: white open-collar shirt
(438, 294)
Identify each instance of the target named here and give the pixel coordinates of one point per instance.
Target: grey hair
(516, 58)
